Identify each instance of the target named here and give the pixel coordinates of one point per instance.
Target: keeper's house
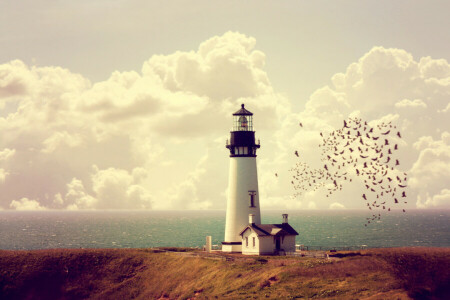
(268, 239)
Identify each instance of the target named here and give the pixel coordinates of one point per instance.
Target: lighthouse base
(231, 247)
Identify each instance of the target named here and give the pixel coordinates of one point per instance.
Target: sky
(127, 104)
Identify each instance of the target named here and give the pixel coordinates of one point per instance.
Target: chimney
(251, 219)
(285, 218)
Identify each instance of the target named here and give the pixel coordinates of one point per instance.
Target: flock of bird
(361, 153)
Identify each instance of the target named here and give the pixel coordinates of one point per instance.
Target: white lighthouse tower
(243, 196)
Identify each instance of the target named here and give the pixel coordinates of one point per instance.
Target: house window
(254, 242)
(252, 195)
(246, 241)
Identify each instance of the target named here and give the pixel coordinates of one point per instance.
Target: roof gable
(271, 229)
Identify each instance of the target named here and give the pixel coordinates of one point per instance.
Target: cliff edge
(397, 273)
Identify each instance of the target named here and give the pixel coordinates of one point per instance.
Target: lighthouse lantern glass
(243, 123)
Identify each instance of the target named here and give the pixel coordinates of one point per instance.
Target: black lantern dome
(242, 139)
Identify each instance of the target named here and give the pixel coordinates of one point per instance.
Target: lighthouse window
(254, 242)
(246, 241)
(252, 198)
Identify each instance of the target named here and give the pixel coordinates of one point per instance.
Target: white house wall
(266, 245)
(243, 178)
(249, 249)
(288, 243)
(263, 244)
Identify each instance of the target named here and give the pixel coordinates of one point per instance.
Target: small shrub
(261, 260)
(264, 284)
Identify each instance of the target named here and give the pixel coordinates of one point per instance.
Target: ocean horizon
(318, 229)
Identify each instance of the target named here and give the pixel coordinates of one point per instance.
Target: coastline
(184, 273)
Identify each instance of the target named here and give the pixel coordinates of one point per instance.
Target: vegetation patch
(417, 273)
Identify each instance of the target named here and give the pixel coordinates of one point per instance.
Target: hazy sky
(127, 104)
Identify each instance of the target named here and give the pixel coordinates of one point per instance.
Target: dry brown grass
(142, 274)
(423, 272)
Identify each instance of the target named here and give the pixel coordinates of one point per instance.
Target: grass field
(398, 273)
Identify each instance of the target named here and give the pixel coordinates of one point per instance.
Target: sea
(21, 230)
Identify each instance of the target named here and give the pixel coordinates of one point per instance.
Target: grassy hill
(399, 273)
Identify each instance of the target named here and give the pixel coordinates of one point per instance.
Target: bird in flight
(374, 162)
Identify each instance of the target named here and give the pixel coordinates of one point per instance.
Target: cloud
(5, 155)
(224, 67)
(312, 205)
(429, 174)
(110, 189)
(3, 174)
(13, 79)
(76, 197)
(26, 204)
(155, 138)
(61, 139)
(336, 205)
(378, 88)
(441, 200)
(117, 189)
(416, 103)
(160, 120)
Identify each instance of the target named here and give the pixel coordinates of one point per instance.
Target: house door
(277, 243)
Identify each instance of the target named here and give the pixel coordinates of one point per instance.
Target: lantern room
(242, 137)
(242, 120)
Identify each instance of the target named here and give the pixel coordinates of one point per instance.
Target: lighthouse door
(277, 242)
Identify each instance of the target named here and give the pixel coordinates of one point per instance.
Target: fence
(330, 248)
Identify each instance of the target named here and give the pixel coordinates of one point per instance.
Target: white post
(208, 244)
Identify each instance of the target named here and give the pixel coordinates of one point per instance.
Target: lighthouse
(243, 196)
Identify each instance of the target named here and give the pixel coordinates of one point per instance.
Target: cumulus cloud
(225, 67)
(416, 103)
(336, 205)
(76, 196)
(111, 189)
(384, 85)
(155, 138)
(13, 80)
(429, 174)
(26, 204)
(161, 120)
(116, 188)
(441, 200)
(5, 155)
(60, 139)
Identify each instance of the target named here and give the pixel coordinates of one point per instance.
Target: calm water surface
(137, 229)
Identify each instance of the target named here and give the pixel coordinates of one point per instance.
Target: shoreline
(181, 273)
(304, 249)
